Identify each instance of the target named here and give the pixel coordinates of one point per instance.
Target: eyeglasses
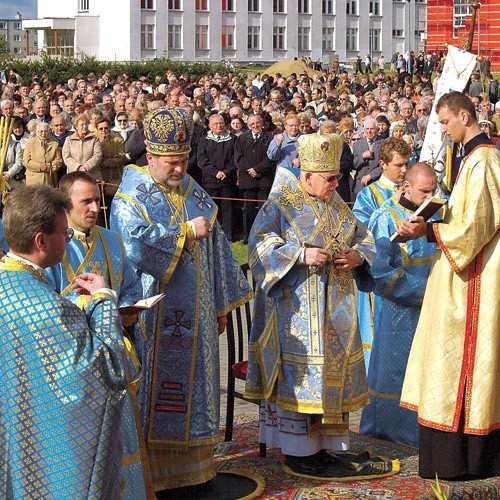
(484, 125)
(122, 121)
(69, 233)
(330, 178)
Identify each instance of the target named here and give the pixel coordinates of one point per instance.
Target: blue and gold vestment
(400, 271)
(305, 349)
(369, 199)
(102, 252)
(64, 383)
(179, 397)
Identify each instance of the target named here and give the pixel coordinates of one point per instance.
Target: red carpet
(243, 452)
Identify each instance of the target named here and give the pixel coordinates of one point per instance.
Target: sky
(8, 9)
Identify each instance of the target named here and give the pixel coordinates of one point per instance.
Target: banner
(457, 70)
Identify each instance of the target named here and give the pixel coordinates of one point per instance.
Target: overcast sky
(8, 8)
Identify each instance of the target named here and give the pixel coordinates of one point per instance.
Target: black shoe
(324, 458)
(304, 465)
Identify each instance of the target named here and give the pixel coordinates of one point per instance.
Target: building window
(65, 43)
(327, 39)
(461, 9)
(228, 5)
(304, 39)
(174, 36)
(327, 6)
(201, 37)
(147, 36)
(375, 7)
(397, 33)
(374, 35)
(278, 6)
(303, 6)
(201, 5)
(350, 8)
(147, 4)
(253, 38)
(351, 39)
(227, 37)
(83, 5)
(16, 38)
(17, 25)
(253, 6)
(174, 4)
(279, 38)
(3, 26)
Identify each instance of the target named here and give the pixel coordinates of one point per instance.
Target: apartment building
(19, 41)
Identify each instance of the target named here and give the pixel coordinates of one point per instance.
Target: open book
(146, 303)
(428, 208)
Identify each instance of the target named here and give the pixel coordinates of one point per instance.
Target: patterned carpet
(243, 452)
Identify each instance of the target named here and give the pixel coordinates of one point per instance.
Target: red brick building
(449, 20)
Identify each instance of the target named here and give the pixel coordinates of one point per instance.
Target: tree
(4, 45)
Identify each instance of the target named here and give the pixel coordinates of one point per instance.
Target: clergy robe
(179, 396)
(305, 350)
(453, 371)
(369, 199)
(400, 271)
(63, 388)
(102, 252)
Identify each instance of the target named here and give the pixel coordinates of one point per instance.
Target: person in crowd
(216, 162)
(301, 257)
(74, 414)
(488, 127)
(113, 158)
(122, 129)
(82, 149)
(346, 126)
(14, 172)
(255, 169)
(400, 273)
(237, 126)
(172, 238)
(383, 127)
(365, 161)
(455, 390)
(39, 112)
(394, 156)
(42, 157)
(283, 147)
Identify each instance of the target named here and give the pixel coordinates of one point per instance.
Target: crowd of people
(315, 173)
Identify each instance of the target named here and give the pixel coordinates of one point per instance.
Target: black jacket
(253, 154)
(214, 157)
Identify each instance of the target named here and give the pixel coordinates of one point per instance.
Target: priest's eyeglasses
(330, 178)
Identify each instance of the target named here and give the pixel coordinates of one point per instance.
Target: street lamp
(370, 35)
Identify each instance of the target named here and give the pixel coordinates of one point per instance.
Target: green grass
(240, 251)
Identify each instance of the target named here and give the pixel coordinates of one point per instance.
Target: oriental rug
(243, 453)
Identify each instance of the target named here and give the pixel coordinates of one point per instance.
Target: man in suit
(365, 152)
(255, 169)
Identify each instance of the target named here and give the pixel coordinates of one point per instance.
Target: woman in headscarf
(42, 157)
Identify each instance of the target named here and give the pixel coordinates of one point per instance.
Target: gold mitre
(320, 152)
